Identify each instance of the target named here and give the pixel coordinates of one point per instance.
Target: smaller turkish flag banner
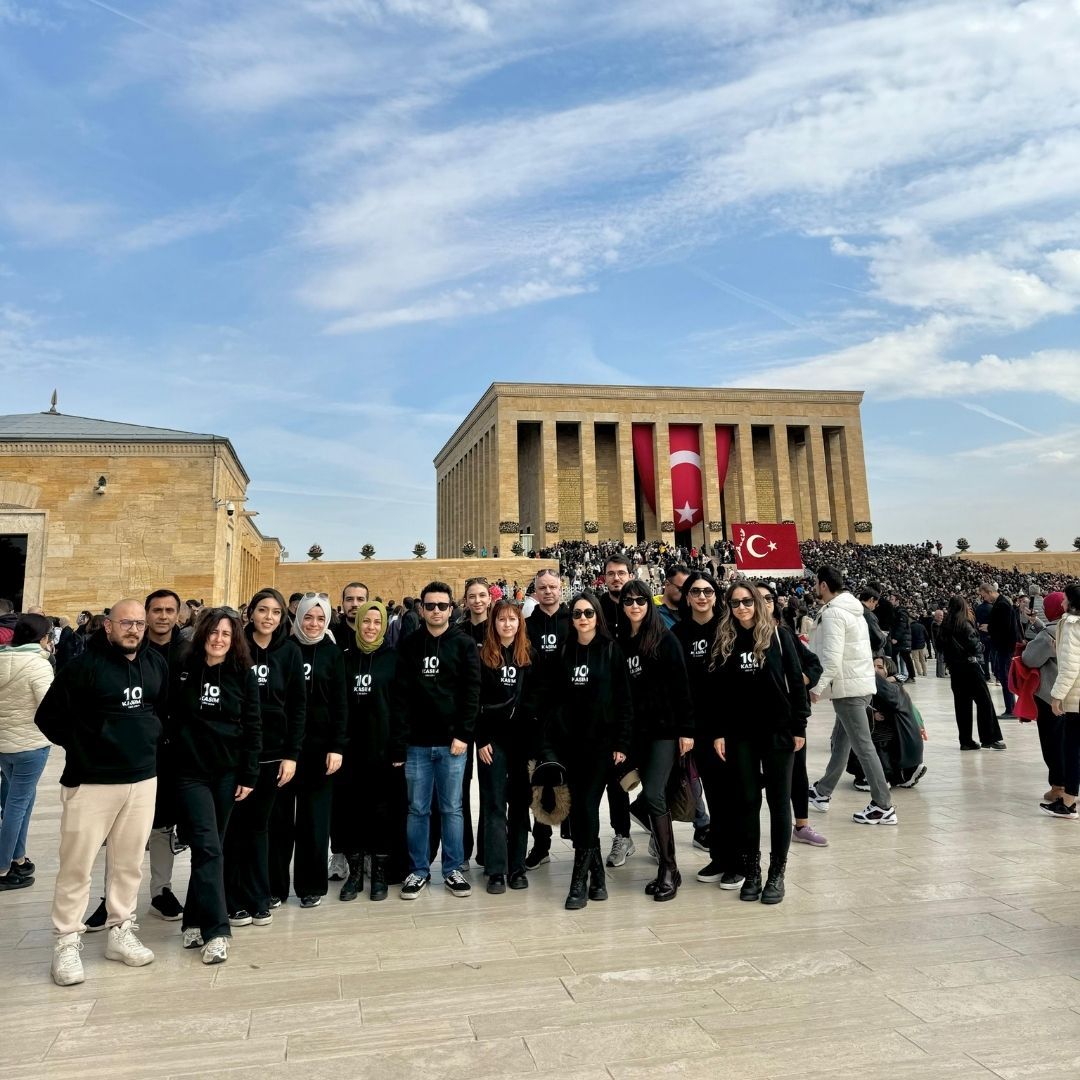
(772, 549)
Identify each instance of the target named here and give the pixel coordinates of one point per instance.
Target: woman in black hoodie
(959, 643)
(505, 737)
(279, 671)
(214, 743)
(663, 720)
(591, 731)
(300, 829)
(759, 725)
(375, 820)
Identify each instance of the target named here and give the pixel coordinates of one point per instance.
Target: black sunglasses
(437, 605)
(583, 613)
(635, 601)
(746, 601)
(702, 592)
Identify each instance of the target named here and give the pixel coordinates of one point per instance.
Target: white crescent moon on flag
(750, 546)
(686, 457)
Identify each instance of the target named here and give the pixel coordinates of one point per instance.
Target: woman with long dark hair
(1065, 702)
(761, 724)
(505, 740)
(279, 671)
(214, 742)
(591, 731)
(663, 720)
(959, 642)
(375, 822)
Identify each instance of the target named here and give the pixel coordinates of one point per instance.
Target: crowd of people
(292, 743)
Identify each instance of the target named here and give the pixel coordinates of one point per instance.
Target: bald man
(105, 710)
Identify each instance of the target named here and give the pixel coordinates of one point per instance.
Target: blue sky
(322, 227)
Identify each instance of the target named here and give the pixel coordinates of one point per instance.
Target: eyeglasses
(706, 592)
(635, 601)
(131, 624)
(320, 595)
(746, 601)
(437, 605)
(583, 613)
(767, 599)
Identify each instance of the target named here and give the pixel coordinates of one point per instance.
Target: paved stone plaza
(945, 948)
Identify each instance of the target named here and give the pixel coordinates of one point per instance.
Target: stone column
(710, 481)
(507, 478)
(549, 457)
(625, 447)
(858, 495)
(587, 450)
(820, 508)
(744, 444)
(781, 463)
(664, 509)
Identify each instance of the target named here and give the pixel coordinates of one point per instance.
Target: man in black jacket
(1003, 630)
(436, 700)
(105, 710)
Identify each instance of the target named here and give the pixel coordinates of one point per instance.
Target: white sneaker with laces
(875, 815)
(67, 969)
(216, 951)
(622, 847)
(125, 946)
(338, 868)
(192, 938)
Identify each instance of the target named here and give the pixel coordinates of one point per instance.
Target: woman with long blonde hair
(759, 725)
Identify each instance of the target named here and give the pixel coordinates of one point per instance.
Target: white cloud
(169, 229)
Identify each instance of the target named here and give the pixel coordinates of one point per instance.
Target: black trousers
(751, 759)
(719, 785)
(505, 798)
(300, 830)
(1052, 742)
(656, 759)
(204, 807)
(468, 840)
(618, 804)
(909, 664)
(247, 840)
(800, 785)
(370, 809)
(587, 776)
(969, 688)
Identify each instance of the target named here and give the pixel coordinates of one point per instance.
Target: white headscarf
(302, 608)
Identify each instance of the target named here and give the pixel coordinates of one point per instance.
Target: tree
(419, 549)
(367, 551)
(1040, 543)
(1001, 544)
(962, 544)
(517, 547)
(1076, 543)
(314, 552)
(468, 549)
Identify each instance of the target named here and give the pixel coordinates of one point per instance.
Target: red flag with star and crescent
(685, 447)
(761, 549)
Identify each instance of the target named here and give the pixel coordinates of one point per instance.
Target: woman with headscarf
(377, 805)
(279, 672)
(301, 822)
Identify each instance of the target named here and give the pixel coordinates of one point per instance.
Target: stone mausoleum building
(92, 510)
(547, 462)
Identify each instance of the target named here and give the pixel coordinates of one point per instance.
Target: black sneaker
(999, 745)
(167, 907)
(176, 845)
(11, 880)
(519, 879)
(537, 857)
(970, 746)
(275, 903)
(262, 918)
(240, 918)
(701, 839)
(457, 885)
(96, 921)
(731, 879)
(496, 884)
(310, 901)
(1059, 809)
(26, 868)
(414, 885)
(916, 775)
(710, 872)
(861, 784)
(817, 801)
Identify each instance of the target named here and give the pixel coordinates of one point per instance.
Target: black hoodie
(105, 711)
(369, 682)
(697, 640)
(173, 651)
(326, 724)
(436, 690)
(596, 713)
(508, 705)
(213, 724)
(659, 689)
(279, 670)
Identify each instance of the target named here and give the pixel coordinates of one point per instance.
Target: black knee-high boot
(354, 883)
(576, 897)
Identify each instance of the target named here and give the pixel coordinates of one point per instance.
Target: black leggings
(247, 873)
(657, 759)
(800, 785)
(749, 761)
(969, 688)
(587, 776)
(1052, 742)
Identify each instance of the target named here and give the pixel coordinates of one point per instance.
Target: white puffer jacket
(25, 675)
(841, 641)
(1067, 684)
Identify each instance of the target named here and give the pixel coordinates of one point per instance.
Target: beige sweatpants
(118, 814)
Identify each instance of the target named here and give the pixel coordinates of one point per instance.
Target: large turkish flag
(772, 549)
(685, 459)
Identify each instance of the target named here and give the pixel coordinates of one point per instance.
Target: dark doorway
(13, 568)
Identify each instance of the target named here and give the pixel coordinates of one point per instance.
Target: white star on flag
(686, 513)
(772, 545)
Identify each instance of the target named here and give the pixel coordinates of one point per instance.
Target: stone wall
(1030, 562)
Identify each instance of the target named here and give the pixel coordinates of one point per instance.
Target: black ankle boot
(773, 892)
(597, 876)
(751, 867)
(576, 897)
(354, 883)
(668, 879)
(378, 877)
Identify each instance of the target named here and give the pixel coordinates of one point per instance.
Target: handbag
(680, 790)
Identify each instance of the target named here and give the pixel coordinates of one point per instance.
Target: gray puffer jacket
(1041, 653)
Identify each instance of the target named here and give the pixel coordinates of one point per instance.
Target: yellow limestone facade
(539, 460)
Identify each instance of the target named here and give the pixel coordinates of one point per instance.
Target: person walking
(214, 743)
(841, 641)
(1065, 702)
(1003, 632)
(1041, 653)
(959, 642)
(25, 678)
(760, 727)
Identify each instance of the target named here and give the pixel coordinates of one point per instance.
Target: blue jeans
(428, 767)
(19, 775)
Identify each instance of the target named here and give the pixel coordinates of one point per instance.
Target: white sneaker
(622, 847)
(818, 802)
(216, 951)
(338, 868)
(875, 815)
(192, 938)
(67, 969)
(124, 945)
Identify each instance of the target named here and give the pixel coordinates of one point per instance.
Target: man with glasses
(105, 709)
(547, 627)
(674, 578)
(436, 699)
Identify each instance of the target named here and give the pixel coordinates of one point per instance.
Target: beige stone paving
(947, 948)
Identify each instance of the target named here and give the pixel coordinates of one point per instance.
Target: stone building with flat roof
(93, 510)
(547, 462)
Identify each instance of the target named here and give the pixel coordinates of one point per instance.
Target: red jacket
(1023, 682)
